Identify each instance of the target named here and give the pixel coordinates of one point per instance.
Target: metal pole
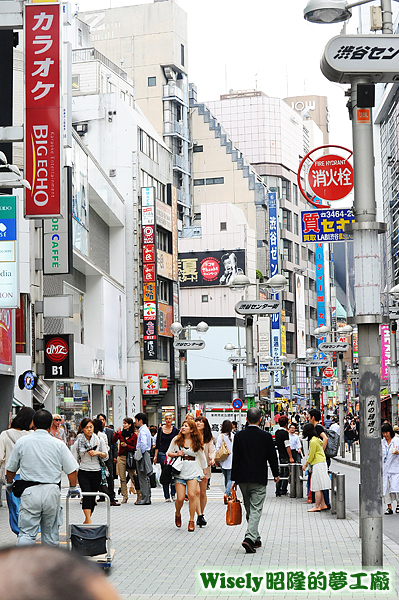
(360, 510)
(235, 387)
(340, 496)
(299, 482)
(290, 372)
(341, 399)
(368, 309)
(333, 499)
(354, 452)
(386, 8)
(292, 481)
(250, 367)
(394, 374)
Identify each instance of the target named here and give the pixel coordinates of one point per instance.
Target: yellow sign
(283, 340)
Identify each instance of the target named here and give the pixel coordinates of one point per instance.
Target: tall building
(150, 42)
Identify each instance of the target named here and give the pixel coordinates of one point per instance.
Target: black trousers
(89, 481)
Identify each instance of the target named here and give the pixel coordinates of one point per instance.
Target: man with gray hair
(253, 449)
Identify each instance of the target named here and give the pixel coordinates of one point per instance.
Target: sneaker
(258, 543)
(249, 546)
(173, 498)
(168, 500)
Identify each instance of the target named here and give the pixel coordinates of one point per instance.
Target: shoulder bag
(223, 452)
(234, 510)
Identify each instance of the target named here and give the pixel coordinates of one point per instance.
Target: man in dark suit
(252, 450)
(113, 453)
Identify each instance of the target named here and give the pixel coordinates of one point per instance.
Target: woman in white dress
(390, 467)
(320, 480)
(227, 437)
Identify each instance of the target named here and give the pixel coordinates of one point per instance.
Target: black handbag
(153, 481)
(130, 460)
(166, 473)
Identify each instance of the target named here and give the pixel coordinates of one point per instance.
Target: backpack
(332, 444)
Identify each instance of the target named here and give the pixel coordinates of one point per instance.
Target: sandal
(389, 511)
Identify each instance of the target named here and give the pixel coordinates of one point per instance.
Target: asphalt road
(352, 480)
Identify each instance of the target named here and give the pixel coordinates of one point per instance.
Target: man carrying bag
(253, 449)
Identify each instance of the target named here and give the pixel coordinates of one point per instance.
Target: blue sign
(262, 368)
(326, 225)
(273, 247)
(326, 381)
(237, 403)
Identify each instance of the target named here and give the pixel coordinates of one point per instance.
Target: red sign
(328, 372)
(57, 350)
(148, 234)
(148, 253)
(331, 177)
(148, 273)
(210, 268)
(43, 110)
(6, 337)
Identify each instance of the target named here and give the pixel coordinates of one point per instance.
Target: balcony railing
(171, 91)
(176, 128)
(181, 164)
(85, 54)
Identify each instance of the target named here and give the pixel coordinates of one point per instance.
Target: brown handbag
(234, 510)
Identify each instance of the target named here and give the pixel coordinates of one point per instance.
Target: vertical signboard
(321, 304)
(9, 290)
(355, 347)
(58, 356)
(149, 273)
(43, 110)
(273, 248)
(300, 316)
(6, 341)
(263, 349)
(385, 351)
(57, 238)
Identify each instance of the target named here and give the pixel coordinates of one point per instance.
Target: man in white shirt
(295, 444)
(144, 464)
(41, 459)
(335, 425)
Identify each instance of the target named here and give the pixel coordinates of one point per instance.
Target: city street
(155, 560)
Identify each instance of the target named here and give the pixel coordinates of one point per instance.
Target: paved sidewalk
(155, 560)
(348, 460)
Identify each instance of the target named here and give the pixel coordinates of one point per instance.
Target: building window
(223, 226)
(182, 54)
(75, 82)
(295, 194)
(164, 240)
(287, 250)
(312, 285)
(152, 81)
(22, 325)
(209, 181)
(163, 290)
(163, 349)
(296, 224)
(304, 253)
(198, 148)
(311, 258)
(290, 342)
(286, 219)
(297, 254)
(148, 146)
(286, 189)
(204, 298)
(80, 38)
(288, 307)
(313, 313)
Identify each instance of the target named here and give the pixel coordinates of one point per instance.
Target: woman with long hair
(127, 439)
(165, 435)
(320, 480)
(227, 437)
(209, 450)
(88, 449)
(390, 467)
(22, 424)
(188, 444)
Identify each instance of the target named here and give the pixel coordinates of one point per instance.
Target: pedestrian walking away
(88, 450)
(209, 450)
(295, 444)
(165, 435)
(41, 459)
(253, 450)
(226, 437)
(127, 439)
(320, 480)
(112, 458)
(282, 438)
(189, 446)
(390, 467)
(143, 460)
(22, 424)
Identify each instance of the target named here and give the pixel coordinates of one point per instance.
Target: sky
(258, 44)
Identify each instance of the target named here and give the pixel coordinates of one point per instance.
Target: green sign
(250, 402)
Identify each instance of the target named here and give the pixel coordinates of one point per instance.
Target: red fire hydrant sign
(331, 177)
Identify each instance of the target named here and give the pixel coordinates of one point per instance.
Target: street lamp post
(367, 279)
(177, 329)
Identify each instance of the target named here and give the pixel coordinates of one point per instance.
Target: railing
(85, 54)
(171, 90)
(176, 128)
(180, 163)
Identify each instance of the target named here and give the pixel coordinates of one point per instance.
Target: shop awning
(16, 402)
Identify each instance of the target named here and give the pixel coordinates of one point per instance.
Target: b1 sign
(43, 110)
